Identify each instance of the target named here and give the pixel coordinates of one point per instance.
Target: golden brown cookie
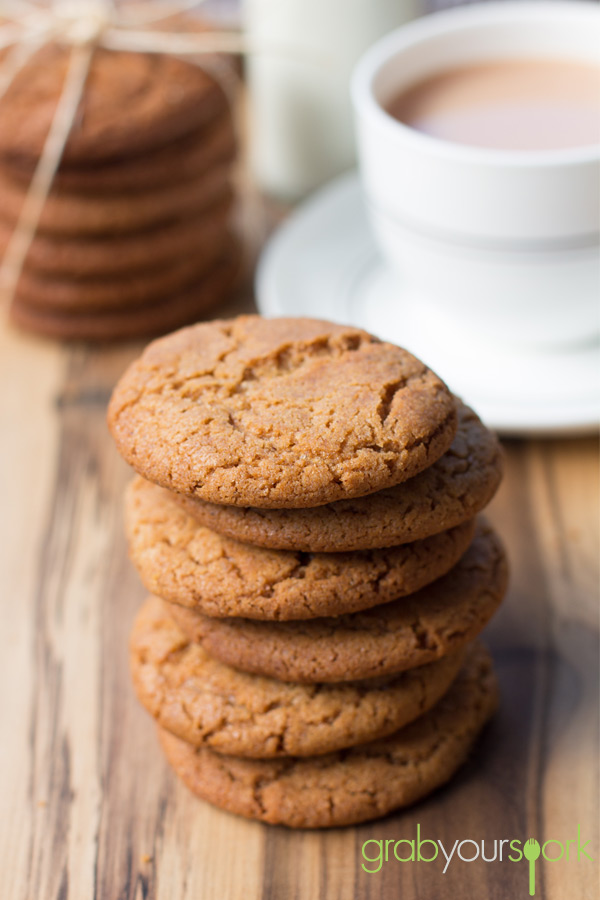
(125, 290)
(85, 214)
(216, 287)
(454, 489)
(122, 254)
(279, 413)
(353, 785)
(425, 626)
(196, 567)
(132, 103)
(212, 705)
(179, 160)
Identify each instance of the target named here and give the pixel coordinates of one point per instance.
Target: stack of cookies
(304, 516)
(135, 237)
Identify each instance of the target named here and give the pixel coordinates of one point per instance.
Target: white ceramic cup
(501, 244)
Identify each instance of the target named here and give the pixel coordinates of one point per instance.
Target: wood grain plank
(69, 599)
(548, 514)
(571, 784)
(30, 372)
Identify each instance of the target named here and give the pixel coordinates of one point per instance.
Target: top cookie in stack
(135, 235)
(279, 413)
(305, 513)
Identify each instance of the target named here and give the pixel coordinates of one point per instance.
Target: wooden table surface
(88, 808)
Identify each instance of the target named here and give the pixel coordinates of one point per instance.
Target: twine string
(9, 35)
(145, 13)
(174, 43)
(39, 188)
(19, 9)
(17, 58)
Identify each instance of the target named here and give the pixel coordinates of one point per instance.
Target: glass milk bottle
(300, 117)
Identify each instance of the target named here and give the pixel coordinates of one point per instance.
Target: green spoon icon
(531, 851)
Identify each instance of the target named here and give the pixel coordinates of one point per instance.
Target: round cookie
(279, 413)
(454, 489)
(415, 630)
(179, 160)
(212, 705)
(188, 564)
(165, 315)
(124, 290)
(353, 785)
(124, 253)
(132, 103)
(84, 214)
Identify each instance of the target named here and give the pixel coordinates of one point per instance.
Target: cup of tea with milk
(479, 146)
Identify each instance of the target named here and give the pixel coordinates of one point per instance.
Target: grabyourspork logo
(376, 853)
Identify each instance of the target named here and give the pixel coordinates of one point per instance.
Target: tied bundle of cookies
(134, 236)
(304, 516)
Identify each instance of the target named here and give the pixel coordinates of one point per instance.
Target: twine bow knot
(82, 22)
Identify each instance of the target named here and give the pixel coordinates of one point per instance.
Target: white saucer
(323, 262)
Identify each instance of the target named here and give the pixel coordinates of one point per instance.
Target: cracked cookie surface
(425, 626)
(186, 563)
(353, 785)
(212, 705)
(279, 413)
(455, 488)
